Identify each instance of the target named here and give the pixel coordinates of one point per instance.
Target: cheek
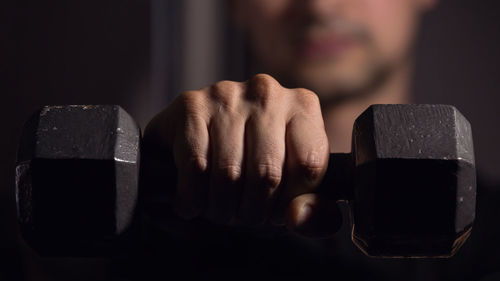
(392, 25)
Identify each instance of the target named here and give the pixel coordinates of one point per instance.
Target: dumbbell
(410, 180)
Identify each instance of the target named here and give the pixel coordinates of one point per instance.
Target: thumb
(313, 216)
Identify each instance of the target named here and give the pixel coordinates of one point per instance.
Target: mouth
(324, 47)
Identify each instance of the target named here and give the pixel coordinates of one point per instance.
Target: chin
(339, 78)
(328, 81)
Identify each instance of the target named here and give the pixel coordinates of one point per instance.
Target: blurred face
(335, 47)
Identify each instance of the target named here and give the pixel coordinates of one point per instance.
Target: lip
(322, 48)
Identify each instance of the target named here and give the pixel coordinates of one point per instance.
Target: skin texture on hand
(248, 153)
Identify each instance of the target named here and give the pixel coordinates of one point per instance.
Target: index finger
(307, 153)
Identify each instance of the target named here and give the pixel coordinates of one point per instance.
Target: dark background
(106, 52)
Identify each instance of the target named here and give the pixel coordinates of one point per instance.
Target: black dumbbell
(410, 180)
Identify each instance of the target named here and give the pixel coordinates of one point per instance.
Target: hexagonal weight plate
(415, 185)
(77, 179)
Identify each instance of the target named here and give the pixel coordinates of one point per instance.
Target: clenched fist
(247, 153)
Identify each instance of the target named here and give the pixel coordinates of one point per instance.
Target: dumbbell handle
(338, 180)
(155, 199)
(159, 177)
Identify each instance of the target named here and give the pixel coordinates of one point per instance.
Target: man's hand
(248, 153)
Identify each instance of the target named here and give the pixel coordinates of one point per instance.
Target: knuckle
(308, 99)
(311, 167)
(264, 88)
(269, 175)
(264, 79)
(226, 93)
(197, 164)
(229, 173)
(224, 86)
(193, 102)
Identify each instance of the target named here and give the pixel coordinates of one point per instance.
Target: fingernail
(304, 214)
